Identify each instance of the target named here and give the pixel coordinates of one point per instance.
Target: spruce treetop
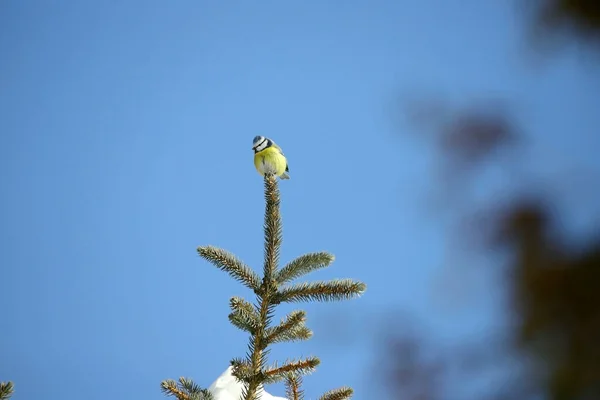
(275, 286)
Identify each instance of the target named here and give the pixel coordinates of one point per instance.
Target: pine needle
(343, 393)
(339, 289)
(243, 315)
(185, 389)
(6, 390)
(303, 265)
(273, 231)
(293, 383)
(170, 388)
(291, 328)
(229, 263)
(306, 366)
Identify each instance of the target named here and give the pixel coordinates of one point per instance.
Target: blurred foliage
(552, 346)
(553, 287)
(580, 18)
(556, 300)
(6, 390)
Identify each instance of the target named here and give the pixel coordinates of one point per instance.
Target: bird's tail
(284, 176)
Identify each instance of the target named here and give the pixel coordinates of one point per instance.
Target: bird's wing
(287, 167)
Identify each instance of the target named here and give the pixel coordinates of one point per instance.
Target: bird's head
(259, 143)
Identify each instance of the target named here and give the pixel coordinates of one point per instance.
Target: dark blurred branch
(552, 285)
(578, 18)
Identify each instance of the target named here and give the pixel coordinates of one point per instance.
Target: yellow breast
(270, 160)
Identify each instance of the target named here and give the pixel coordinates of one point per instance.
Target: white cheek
(262, 146)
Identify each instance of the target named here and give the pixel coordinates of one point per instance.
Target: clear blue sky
(125, 143)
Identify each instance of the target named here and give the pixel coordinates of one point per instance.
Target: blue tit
(268, 158)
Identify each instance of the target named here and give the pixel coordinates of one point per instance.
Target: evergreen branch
(342, 393)
(243, 315)
(194, 390)
(293, 383)
(170, 388)
(257, 350)
(273, 232)
(186, 389)
(337, 289)
(7, 389)
(229, 263)
(291, 328)
(303, 265)
(257, 346)
(276, 374)
(241, 369)
(294, 335)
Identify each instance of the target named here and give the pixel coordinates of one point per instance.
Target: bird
(227, 387)
(269, 158)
